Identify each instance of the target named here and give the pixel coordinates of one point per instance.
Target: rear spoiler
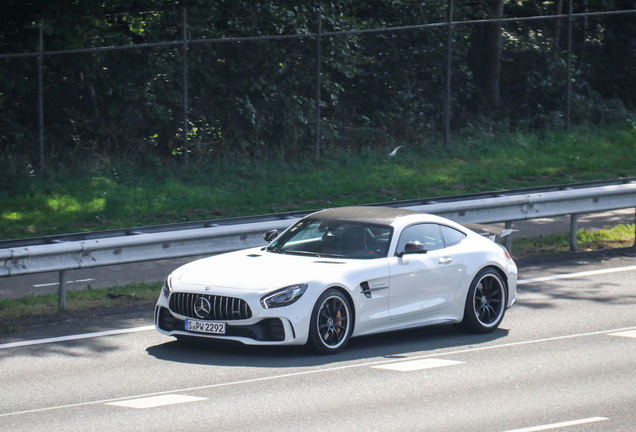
(489, 231)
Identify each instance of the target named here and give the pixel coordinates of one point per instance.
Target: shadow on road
(394, 345)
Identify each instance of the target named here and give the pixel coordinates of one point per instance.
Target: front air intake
(209, 307)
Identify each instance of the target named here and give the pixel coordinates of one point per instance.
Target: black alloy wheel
(331, 322)
(485, 303)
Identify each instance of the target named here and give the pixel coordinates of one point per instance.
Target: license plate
(211, 327)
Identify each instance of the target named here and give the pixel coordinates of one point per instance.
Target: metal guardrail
(213, 238)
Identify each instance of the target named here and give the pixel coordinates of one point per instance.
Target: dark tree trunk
(486, 58)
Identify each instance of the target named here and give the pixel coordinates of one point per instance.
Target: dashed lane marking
(576, 275)
(156, 401)
(318, 371)
(629, 334)
(42, 285)
(413, 365)
(561, 424)
(75, 337)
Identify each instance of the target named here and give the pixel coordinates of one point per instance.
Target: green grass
(13, 309)
(104, 194)
(619, 236)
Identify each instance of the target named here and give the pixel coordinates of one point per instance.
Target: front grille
(267, 330)
(220, 308)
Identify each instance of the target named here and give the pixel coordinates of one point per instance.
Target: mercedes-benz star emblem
(202, 307)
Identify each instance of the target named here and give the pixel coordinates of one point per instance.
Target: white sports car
(340, 273)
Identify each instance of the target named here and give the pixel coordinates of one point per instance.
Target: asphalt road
(564, 359)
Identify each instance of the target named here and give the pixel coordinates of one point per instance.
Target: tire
(331, 322)
(485, 303)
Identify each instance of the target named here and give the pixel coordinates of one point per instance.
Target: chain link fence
(312, 84)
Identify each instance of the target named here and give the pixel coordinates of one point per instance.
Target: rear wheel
(331, 322)
(485, 303)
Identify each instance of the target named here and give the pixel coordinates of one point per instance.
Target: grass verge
(103, 194)
(12, 310)
(619, 236)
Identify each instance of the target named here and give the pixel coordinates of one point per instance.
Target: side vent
(365, 289)
(368, 290)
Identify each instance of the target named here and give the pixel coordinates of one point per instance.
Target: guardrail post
(508, 239)
(635, 227)
(62, 290)
(574, 227)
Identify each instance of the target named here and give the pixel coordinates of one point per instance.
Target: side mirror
(270, 235)
(413, 247)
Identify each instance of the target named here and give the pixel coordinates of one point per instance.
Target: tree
(485, 55)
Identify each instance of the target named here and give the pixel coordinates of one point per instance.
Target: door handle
(445, 260)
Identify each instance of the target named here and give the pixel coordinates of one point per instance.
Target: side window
(451, 236)
(427, 234)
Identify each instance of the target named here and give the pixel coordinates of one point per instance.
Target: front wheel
(485, 302)
(331, 322)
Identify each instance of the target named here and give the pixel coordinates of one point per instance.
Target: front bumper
(271, 330)
(265, 329)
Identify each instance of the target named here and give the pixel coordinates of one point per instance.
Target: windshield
(335, 238)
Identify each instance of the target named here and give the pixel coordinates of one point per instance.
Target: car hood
(258, 270)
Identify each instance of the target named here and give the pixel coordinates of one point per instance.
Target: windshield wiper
(274, 249)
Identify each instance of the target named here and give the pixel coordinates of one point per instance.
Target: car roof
(368, 214)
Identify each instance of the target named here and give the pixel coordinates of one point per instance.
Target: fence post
(568, 62)
(184, 59)
(447, 96)
(41, 96)
(318, 57)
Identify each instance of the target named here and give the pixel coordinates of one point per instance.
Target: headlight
(167, 287)
(284, 296)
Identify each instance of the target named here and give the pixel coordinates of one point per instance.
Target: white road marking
(57, 283)
(76, 337)
(576, 275)
(262, 379)
(413, 365)
(156, 401)
(313, 372)
(630, 334)
(561, 424)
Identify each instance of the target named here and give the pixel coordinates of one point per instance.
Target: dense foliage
(252, 70)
